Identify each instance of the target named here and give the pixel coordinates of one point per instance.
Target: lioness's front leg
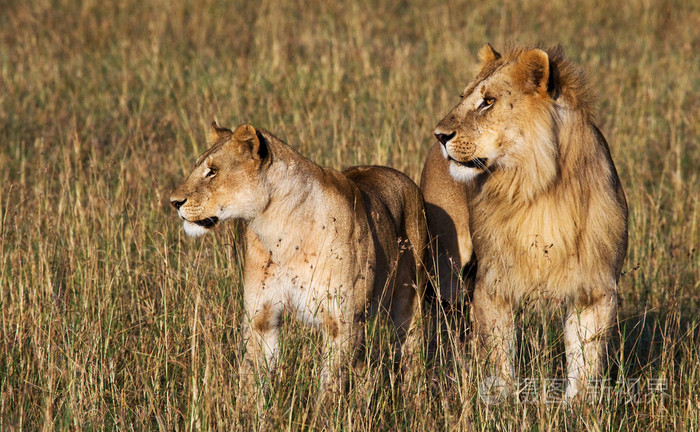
(585, 332)
(263, 312)
(495, 331)
(343, 339)
(261, 333)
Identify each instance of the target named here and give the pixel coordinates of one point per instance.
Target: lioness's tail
(417, 233)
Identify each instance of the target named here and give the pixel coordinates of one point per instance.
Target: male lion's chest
(525, 251)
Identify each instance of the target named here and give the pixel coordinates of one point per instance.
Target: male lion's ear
(534, 65)
(488, 54)
(216, 133)
(246, 134)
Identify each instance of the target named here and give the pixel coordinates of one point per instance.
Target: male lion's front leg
(585, 333)
(495, 333)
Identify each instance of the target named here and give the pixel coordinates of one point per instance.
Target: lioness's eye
(210, 173)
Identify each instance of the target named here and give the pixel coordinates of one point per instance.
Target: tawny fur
(327, 247)
(521, 159)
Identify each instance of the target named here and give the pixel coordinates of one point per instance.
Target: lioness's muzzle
(208, 222)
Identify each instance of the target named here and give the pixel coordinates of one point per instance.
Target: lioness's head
(501, 114)
(226, 181)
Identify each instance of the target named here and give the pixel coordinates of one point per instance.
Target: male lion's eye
(486, 103)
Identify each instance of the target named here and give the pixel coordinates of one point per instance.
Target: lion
(523, 184)
(329, 248)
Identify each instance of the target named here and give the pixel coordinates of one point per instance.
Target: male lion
(525, 166)
(324, 246)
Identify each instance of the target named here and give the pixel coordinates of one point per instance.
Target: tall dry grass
(111, 319)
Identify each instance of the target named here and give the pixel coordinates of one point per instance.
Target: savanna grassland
(110, 318)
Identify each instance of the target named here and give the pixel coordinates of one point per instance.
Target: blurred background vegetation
(111, 318)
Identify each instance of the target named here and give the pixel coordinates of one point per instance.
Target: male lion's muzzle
(444, 138)
(471, 163)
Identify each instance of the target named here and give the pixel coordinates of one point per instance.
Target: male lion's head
(226, 181)
(504, 117)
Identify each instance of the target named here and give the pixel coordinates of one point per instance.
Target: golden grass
(111, 319)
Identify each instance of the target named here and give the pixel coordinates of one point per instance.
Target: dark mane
(567, 79)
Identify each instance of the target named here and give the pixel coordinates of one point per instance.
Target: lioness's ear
(488, 54)
(534, 65)
(216, 133)
(247, 135)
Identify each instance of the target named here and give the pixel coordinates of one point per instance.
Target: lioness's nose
(177, 204)
(443, 137)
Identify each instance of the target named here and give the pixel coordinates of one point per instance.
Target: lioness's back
(400, 197)
(394, 188)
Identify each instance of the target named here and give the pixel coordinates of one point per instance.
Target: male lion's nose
(443, 137)
(177, 204)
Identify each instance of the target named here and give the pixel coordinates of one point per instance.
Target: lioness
(520, 160)
(325, 246)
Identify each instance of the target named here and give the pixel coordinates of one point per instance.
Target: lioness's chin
(194, 230)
